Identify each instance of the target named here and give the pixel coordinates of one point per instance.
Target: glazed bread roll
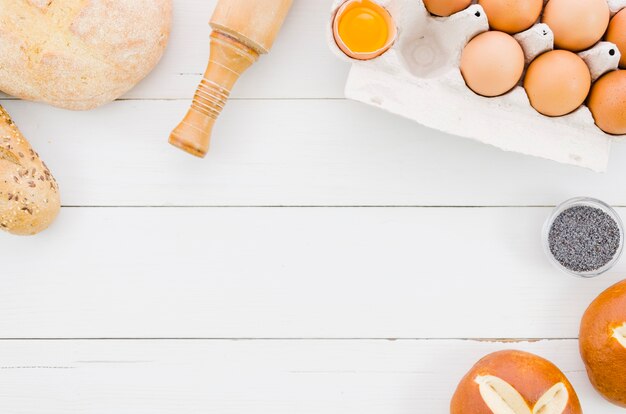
(29, 195)
(514, 382)
(79, 54)
(603, 343)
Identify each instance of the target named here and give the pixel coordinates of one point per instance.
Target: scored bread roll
(603, 343)
(29, 195)
(79, 54)
(515, 382)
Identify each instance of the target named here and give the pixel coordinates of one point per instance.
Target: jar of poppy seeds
(584, 237)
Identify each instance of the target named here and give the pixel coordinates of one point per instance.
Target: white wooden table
(324, 258)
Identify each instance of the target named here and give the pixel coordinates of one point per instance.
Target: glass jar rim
(589, 202)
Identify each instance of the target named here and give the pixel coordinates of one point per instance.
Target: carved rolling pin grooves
(242, 30)
(210, 98)
(229, 59)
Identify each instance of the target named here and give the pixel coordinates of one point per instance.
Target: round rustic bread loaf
(29, 195)
(79, 54)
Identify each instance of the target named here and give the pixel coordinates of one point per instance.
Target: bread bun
(603, 343)
(514, 382)
(29, 195)
(79, 54)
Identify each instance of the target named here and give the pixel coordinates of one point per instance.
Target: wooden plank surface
(256, 377)
(291, 273)
(299, 66)
(291, 153)
(163, 265)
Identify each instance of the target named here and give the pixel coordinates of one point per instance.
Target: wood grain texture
(300, 64)
(287, 139)
(291, 153)
(256, 377)
(291, 273)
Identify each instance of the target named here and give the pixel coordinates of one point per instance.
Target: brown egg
(607, 102)
(512, 16)
(577, 25)
(603, 343)
(517, 382)
(492, 63)
(617, 34)
(557, 82)
(446, 7)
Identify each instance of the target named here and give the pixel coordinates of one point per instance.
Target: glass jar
(583, 202)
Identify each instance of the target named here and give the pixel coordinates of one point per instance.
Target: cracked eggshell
(516, 382)
(603, 343)
(419, 78)
(380, 10)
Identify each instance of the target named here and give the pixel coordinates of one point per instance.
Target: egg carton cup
(419, 78)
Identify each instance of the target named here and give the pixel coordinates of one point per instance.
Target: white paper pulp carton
(419, 78)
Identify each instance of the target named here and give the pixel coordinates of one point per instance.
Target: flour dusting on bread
(79, 54)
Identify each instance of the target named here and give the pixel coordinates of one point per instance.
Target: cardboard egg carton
(419, 78)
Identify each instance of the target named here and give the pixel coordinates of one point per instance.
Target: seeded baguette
(29, 194)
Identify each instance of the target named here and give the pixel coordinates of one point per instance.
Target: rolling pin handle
(229, 59)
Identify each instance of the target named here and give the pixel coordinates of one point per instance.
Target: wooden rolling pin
(242, 31)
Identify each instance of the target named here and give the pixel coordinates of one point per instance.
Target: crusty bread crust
(79, 54)
(29, 194)
(529, 374)
(604, 356)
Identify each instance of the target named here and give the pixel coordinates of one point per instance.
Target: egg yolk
(363, 29)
